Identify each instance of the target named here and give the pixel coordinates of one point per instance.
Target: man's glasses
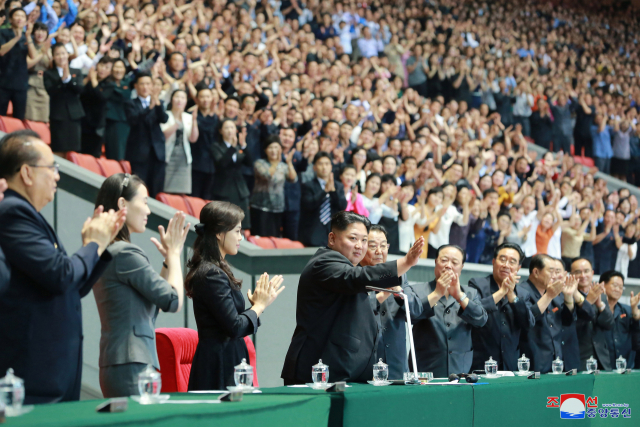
(55, 167)
(381, 247)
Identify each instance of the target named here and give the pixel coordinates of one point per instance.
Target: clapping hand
(172, 241)
(595, 293)
(266, 291)
(444, 281)
(103, 227)
(555, 287)
(634, 300)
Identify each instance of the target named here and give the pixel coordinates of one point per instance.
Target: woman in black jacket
(218, 304)
(64, 86)
(229, 155)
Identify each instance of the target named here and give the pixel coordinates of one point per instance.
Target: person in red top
(548, 225)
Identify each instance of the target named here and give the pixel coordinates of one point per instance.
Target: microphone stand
(415, 380)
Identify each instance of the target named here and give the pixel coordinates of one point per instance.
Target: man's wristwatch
(515, 300)
(463, 296)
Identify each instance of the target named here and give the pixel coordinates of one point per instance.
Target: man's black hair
(538, 262)
(343, 219)
(608, 275)
(581, 259)
(15, 152)
(320, 155)
(462, 251)
(513, 246)
(379, 228)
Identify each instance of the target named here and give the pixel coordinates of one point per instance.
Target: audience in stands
(16, 47)
(37, 107)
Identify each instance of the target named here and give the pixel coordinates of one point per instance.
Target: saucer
(318, 386)
(380, 383)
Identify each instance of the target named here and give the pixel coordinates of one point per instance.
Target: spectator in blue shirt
(47, 14)
(368, 45)
(601, 136)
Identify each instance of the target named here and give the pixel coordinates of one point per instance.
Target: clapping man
(508, 309)
(40, 311)
(553, 308)
(442, 336)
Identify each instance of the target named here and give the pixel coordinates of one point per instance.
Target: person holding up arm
(218, 305)
(130, 293)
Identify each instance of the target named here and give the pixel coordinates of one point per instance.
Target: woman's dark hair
(119, 185)
(434, 190)
(373, 175)
(271, 139)
(222, 123)
(40, 26)
(170, 105)
(216, 217)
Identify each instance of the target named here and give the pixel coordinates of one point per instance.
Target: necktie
(325, 211)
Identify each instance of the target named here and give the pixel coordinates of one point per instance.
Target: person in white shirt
(376, 206)
(441, 236)
(627, 247)
(417, 215)
(368, 45)
(529, 219)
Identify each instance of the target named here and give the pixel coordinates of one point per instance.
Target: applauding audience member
(116, 132)
(94, 99)
(40, 312)
(130, 293)
(37, 108)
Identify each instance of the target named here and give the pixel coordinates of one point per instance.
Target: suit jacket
(64, 98)
(312, 231)
(202, 149)
(229, 182)
(500, 337)
(592, 341)
(392, 318)
(545, 341)
(5, 273)
(40, 312)
(442, 334)
(146, 139)
(129, 296)
(620, 337)
(94, 101)
(334, 319)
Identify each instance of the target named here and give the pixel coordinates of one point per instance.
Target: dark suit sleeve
(415, 305)
(338, 199)
(568, 316)
(215, 294)
(522, 310)
(161, 114)
(474, 314)
(487, 302)
(341, 277)
(29, 250)
(136, 114)
(586, 311)
(5, 273)
(604, 318)
(223, 156)
(134, 269)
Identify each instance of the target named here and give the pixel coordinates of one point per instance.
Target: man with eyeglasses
(594, 316)
(625, 319)
(508, 309)
(390, 313)
(40, 310)
(551, 293)
(442, 334)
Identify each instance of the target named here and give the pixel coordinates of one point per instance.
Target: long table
(507, 401)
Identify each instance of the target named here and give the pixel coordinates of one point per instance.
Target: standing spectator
(37, 109)
(604, 245)
(549, 222)
(621, 148)
(354, 200)
(585, 112)
(418, 68)
(15, 46)
(562, 124)
(116, 133)
(229, 155)
(542, 125)
(64, 85)
(416, 216)
(573, 234)
(292, 189)
(601, 137)
(127, 340)
(441, 236)
(368, 45)
(94, 98)
(180, 131)
(522, 107)
(268, 198)
(390, 221)
(321, 199)
(627, 248)
(40, 311)
(146, 142)
(203, 168)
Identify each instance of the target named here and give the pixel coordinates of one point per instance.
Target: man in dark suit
(334, 319)
(321, 199)
(592, 324)
(292, 190)
(508, 308)
(626, 319)
(442, 335)
(94, 99)
(390, 312)
(553, 308)
(146, 142)
(40, 312)
(5, 269)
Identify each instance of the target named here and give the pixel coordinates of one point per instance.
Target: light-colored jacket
(170, 142)
(129, 296)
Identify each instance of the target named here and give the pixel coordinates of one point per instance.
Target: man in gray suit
(390, 312)
(443, 335)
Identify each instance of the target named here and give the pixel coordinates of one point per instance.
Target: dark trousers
(152, 173)
(92, 144)
(583, 141)
(201, 184)
(525, 123)
(19, 100)
(290, 224)
(603, 165)
(420, 88)
(561, 142)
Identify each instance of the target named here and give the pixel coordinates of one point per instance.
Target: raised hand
(570, 286)
(414, 253)
(172, 241)
(595, 293)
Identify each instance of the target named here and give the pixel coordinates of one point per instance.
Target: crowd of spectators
(413, 113)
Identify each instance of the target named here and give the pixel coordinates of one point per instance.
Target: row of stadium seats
(186, 204)
(9, 124)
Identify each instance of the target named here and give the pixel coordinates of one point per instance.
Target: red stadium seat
(9, 124)
(86, 161)
(286, 243)
(41, 129)
(175, 201)
(176, 347)
(195, 204)
(110, 167)
(263, 242)
(126, 166)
